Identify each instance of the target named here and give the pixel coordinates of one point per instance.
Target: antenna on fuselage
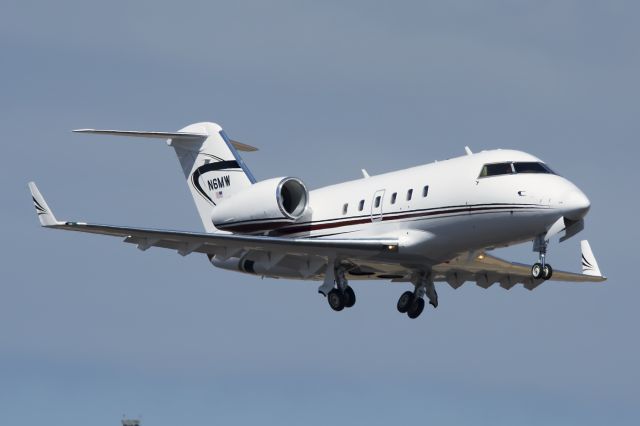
(467, 150)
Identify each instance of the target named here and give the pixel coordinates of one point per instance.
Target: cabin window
(345, 208)
(361, 205)
(496, 169)
(425, 191)
(393, 197)
(409, 194)
(532, 167)
(377, 202)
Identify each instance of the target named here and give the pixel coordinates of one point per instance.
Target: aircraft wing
(222, 244)
(487, 270)
(480, 267)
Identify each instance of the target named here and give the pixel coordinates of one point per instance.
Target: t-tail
(210, 162)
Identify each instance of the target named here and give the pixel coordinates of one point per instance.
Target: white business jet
(426, 224)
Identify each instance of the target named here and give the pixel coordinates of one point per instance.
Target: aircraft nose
(576, 204)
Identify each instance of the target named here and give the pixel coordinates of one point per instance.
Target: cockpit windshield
(496, 169)
(532, 167)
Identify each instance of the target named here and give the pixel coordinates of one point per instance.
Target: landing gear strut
(541, 269)
(412, 302)
(340, 295)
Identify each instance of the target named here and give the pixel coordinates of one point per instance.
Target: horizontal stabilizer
(184, 136)
(136, 134)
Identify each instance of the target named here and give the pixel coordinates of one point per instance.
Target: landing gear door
(376, 206)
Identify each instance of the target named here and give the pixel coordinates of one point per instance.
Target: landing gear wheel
(336, 300)
(405, 302)
(536, 271)
(349, 297)
(416, 308)
(547, 272)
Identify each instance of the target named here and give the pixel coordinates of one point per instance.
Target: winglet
(45, 215)
(589, 263)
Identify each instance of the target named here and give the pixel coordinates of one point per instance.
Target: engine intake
(292, 197)
(262, 206)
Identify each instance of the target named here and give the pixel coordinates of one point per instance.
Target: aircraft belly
(302, 268)
(495, 229)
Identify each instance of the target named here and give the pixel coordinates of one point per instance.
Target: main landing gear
(541, 270)
(412, 302)
(336, 287)
(340, 299)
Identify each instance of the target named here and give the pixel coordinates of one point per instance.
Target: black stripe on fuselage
(419, 214)
(384, 214)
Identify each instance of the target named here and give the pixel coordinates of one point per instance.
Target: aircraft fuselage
(449, 201)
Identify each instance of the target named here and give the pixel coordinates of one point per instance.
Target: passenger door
(376, 206)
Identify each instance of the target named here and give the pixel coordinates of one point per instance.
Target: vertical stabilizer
(212, 166)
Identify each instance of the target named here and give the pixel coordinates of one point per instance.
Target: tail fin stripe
(219, 165)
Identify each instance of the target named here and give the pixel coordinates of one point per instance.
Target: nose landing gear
(541, 269)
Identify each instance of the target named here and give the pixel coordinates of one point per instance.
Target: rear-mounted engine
(263, 206)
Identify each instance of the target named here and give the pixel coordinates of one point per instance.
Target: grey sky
(91, 327)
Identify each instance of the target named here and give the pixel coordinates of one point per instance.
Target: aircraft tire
(336, 300)
(547, 272)
(536, 271)
(404, 302)
(349, 297)
(416, 308)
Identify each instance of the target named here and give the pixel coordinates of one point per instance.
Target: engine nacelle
(262, 206)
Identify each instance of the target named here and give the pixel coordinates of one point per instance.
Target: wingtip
(589, 262)
(45, 215)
